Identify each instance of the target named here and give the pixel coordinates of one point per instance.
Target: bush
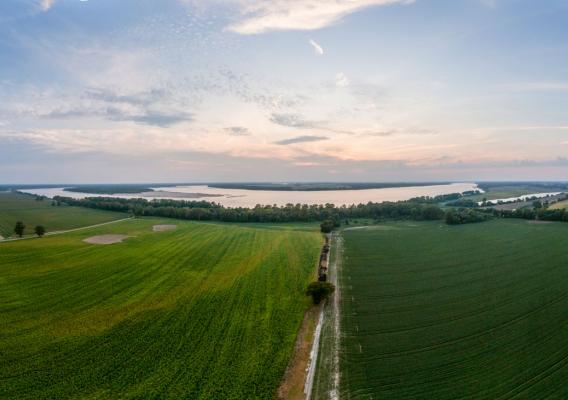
(319, 291)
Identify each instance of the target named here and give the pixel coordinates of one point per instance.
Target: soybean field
(478, 311)
(21, 207)
(202, 311)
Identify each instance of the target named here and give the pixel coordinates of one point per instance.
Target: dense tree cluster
(553, 215)
(208, 211)
(465, 216)
(522, 213)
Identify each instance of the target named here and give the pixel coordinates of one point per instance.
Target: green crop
(455, 312)
(206, 311)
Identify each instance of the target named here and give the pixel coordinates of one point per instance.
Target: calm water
(250, 198)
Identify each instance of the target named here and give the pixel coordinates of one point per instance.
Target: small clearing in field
(105, 239)
(1, 237)
(536, 222)
(162, 228)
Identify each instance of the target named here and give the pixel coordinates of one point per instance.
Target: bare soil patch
(1, 237)
(105, 239)
(163, 228)
(292, 386)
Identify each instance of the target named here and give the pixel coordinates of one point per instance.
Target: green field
(206, 311)
(20, 207)
(477, 311)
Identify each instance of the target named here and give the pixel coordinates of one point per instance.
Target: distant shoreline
(320, 187)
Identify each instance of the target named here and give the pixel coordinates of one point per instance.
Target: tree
(328, 225)
(19, 228)
(319, 291)
(452, 218)
(39, 230)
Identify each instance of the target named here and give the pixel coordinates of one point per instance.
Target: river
(250, 198)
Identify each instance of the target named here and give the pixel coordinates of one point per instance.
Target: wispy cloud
(317, 47)
(292, 121)
(341, 80)
(237, 131)
(301, 139)
(261, 16)
(157, 119)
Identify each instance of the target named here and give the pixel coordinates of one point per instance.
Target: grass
(20, 207)
(206, 311)
(477, 311)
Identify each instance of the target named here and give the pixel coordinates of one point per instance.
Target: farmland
(559, 205)
(203, 311)
(478, 311)
(20, 207)
(505, 190)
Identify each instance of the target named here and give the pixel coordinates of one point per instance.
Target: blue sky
(275, 90)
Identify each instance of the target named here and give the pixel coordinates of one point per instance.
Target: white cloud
(317, 47)
(341, 80)
(46, 4)
(261, 16)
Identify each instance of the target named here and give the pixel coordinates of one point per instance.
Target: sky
(96, 91)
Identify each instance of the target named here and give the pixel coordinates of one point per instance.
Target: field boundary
(308, 387)
(326, 380)
(54, 233)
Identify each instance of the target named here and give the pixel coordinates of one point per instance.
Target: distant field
(205, 311)
(477, 311)
(495, 191)
(559, 205)
(19, 207)
(109, 189)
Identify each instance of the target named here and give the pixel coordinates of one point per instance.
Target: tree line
(210, 211)
(417, 209)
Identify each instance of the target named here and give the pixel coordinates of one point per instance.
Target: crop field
(559, 205)
(477, 311)
(19, 207)
(203, 311)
